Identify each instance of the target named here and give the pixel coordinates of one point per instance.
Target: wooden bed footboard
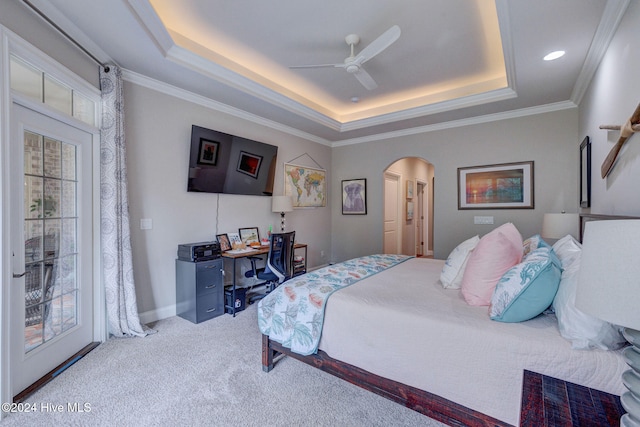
(419, 400)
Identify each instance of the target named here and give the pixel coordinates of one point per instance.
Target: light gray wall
(550, 140)
(611, 99)
(158, 130)
(24, 22)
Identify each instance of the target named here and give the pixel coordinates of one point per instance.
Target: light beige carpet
(204, 375)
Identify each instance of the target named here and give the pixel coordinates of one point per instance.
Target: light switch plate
(146, 224)
(483, 220)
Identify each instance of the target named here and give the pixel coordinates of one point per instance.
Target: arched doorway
(408, 207)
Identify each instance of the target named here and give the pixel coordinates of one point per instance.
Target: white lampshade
(609, 280)
(558, 225)
(609, 289)
(281, 204)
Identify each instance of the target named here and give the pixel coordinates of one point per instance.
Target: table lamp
(281, 204)
(557, 225)
(609, 289)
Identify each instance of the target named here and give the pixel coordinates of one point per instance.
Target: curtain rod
(65, 34)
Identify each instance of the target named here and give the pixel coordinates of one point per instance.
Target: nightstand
(548, 401)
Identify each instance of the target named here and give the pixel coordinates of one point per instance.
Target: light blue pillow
(527, 289)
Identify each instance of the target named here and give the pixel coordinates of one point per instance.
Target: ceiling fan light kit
(353, 64)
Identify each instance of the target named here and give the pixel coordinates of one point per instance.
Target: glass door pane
(50, 225)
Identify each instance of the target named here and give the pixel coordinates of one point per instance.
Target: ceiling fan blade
(378, 45)
(366, 79)
(292, 67)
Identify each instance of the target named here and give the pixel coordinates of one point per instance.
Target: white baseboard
(157, 314)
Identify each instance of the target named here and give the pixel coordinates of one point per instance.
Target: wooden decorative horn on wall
(626, 130)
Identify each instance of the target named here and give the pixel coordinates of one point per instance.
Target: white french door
(51, 293)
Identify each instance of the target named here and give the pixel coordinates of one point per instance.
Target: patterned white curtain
(122, 311)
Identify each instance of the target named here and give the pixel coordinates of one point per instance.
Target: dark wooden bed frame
(426, 403)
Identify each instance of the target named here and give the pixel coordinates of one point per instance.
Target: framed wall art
(409, 211)
(499, 186)
(249, 164)
(585, 173)
(208, 152)
(409, 189)
(306, 186)
(354, 197)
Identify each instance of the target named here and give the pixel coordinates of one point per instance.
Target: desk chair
(279, 265)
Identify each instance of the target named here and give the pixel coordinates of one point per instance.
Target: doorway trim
(12, 43)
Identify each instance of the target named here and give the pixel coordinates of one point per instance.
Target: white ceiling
(456, 61)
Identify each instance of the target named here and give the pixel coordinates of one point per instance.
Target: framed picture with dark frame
(585, 173)
(223, 241)
(208, 152)
(354, 196)
(249, 164)
(249, 236)
(499, 186)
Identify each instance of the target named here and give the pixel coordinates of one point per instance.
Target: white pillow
(451, 275)
(567, 249)
(583, 330)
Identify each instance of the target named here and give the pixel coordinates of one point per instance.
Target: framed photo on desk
(223, 240)
(249, 235)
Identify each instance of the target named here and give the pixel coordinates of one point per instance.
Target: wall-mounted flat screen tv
(223, 163)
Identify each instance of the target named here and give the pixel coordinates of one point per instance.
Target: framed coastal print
(499, 186)
(354, 197)
(208, 152)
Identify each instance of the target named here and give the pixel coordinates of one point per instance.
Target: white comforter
(401, 324)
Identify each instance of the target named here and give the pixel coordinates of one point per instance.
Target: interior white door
(51, 314)
(420, 219)
(391, 236)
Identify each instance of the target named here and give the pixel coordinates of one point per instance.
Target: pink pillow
(497, 252)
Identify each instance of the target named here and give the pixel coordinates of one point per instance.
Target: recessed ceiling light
(554, 55)
(355, 99)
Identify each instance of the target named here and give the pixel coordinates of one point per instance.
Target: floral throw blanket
(293, 314)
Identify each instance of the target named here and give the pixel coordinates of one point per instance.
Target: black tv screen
(223, 163)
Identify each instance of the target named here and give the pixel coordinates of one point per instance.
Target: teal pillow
(527, 289)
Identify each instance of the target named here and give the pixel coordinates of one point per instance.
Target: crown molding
(283, 98)
(523, 112)
(428, 109)
(185, 95)
(611, 17)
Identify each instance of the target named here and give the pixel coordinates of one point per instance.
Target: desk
(263, 250)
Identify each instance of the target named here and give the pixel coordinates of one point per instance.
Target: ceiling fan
(353, 63)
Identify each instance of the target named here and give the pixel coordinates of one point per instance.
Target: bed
(398, 332)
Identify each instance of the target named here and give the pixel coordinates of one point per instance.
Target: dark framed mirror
(585, 173)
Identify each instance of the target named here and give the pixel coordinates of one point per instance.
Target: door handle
(17, 276)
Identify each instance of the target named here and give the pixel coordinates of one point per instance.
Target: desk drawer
(208, 277)
(209, 306)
